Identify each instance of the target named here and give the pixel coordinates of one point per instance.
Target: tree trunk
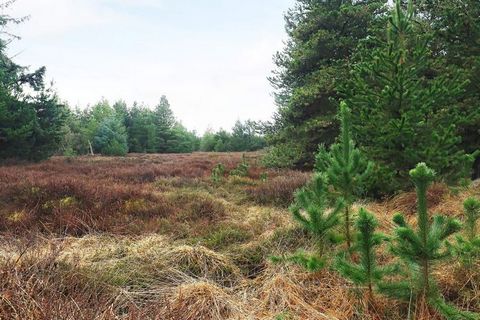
(91, 148)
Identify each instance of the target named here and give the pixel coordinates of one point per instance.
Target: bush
(282, 156)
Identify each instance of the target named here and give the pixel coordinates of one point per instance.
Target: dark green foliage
(322, 35)
(365, 273)
(31, 118)
(472, 211)
(284, 155)
(182, 140)
(111, 138)
(405, 110)
(455, 30)
(468, 248)
(164, 122)
(420, 248)
(142, 130)
(244, 137)
(143, 127)
(311, 211)
(345, 168)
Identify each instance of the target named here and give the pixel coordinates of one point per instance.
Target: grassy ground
(153, 237)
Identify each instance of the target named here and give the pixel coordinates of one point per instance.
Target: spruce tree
(311, 211)
(421, 248)
(345, 168)
(366, 273)
(404, 110)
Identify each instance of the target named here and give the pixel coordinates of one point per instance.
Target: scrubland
(153, 237)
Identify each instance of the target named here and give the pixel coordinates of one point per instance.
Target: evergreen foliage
(164, 122)
(142, 130)
(322, 35)
(365, 273)
(31, 117)
(218, 172)
(467, 247)
(242, 169)
(345, 168)
(111, 138)
(244, 137)
(311, 211)
(454, 26)
(420, 248)
(404, 111)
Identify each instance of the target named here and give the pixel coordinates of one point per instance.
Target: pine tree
(322, 35)
(454, 26)
(404, 110)
(345, 168)
(468, 248)
(311, 211)
(367, 272)
(164, 122)
(420, 248)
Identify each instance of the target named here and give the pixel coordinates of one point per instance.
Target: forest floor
(153, 237)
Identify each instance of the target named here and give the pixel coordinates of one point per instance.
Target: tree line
(118, 129)
(35, 124)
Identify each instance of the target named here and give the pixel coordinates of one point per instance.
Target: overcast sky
(211, 58)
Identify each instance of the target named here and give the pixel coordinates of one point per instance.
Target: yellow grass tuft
(202, 300)
(200, 262)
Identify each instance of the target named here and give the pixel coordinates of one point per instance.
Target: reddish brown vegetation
(76, 196)
(279, 190)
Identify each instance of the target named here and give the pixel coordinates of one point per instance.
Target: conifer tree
(322, 35)
(366, 272)
(404, 110)
(345, 168)
(311, 211)
(468, 249)
(420, 248)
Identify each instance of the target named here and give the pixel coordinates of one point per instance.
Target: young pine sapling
(420, 248)
(345, 168)
(311, 211)
(468, 248)
(367, 272)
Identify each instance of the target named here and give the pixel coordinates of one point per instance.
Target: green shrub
(218, 173)
(242, 169)
(282, 156)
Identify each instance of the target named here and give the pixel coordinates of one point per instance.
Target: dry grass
(126, 238)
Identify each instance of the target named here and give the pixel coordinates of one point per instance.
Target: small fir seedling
(345, 168)
(311, 211)
(366, 272)
(421, 248)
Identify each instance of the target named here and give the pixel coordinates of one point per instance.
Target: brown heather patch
(119, 195)
(279, 190)
(407, 202)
